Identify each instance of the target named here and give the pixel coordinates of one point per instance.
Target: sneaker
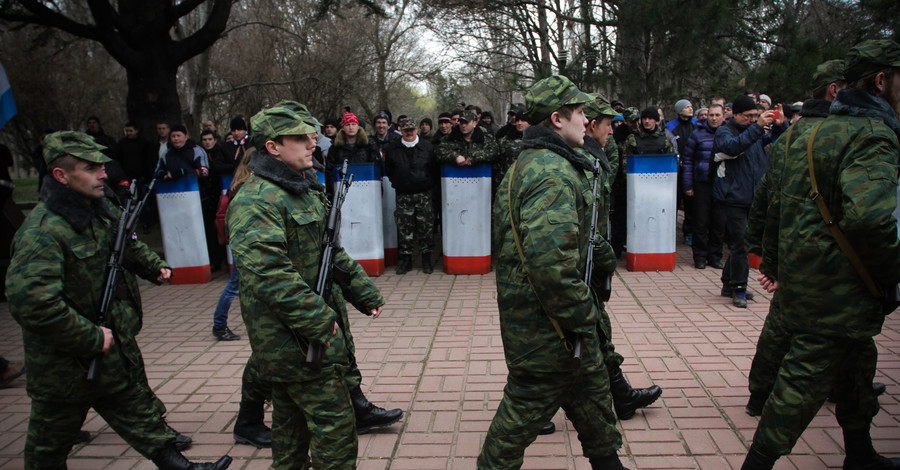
(13, 371)
(739, 299)
(728, 292)
(224, 334)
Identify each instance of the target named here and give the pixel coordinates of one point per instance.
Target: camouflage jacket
(275, 224)
(551, 207)
(770, 183)
(482, 148)
(55, 286)
(509, 150)
(855, 158)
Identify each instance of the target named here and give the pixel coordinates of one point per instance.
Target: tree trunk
(153, 96)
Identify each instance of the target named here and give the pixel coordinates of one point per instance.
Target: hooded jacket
(742, 173)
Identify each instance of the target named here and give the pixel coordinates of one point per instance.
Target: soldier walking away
(541, 236)
(60, 257)
(844, 169)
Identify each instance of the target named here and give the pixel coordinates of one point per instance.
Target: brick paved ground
(436, 353)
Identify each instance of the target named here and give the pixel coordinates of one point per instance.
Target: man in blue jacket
(740, 161)
(697, 181)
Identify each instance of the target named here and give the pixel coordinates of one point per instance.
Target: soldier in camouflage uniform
(275, 224)
(626, 400)
(410, 165)
(827, 309)
(467, 144)
(544, 303)
(55, 288)
(774, 339)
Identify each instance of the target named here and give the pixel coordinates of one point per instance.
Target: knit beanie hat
(650, 112)
(743, 103)
(680, 105)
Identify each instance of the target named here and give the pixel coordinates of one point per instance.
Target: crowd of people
(809, 187)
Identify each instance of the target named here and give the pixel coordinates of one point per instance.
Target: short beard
(891, 95)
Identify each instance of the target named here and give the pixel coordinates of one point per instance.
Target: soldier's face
(600, 130)
(295, 151)
(467, 127)
(893, 91)
(648, 123)
(572, 129)
(521, 125)
(86, 179)
(445, 126)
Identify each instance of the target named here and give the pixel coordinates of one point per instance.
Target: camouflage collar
(266, 166)
(540, 137)
(855, 102)
(70, 206)
(593, 147)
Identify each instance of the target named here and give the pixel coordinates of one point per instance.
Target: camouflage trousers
(314, 415)
(611, 359)
(53, 426)
(815, 366)
(255, 387)
(529, 402)
(773, 344)
(415, 223)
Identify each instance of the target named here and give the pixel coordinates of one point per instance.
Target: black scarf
(856, 102)
(71, 206)
(274, 170)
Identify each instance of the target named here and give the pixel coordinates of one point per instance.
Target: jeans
(220, 318)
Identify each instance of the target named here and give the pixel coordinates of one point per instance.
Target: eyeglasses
(751, 116)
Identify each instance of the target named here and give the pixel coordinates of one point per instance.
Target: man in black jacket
(411, 167)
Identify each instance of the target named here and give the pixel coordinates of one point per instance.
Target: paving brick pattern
(436, 353)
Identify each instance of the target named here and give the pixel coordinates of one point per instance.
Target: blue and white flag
(7, 105)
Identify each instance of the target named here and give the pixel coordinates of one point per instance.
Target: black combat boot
(756, 460)
(548, 428)
(171, 459)
(249, 427)
(610, 462)
(627, 400)
(182, 442)
(369, 416)
(861, 455)
(404, 265)
(426, 263)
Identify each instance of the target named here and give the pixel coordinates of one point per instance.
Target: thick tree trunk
(153, 96)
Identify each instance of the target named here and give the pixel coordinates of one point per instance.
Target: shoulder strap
(512, 223)
(836, 231)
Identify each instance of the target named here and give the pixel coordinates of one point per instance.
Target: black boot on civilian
(405, 264)
(369, 416)
(756, 460)
(755, 404)
(426, 263)
(611, 462)
(249, 427)
(171, 459)
(82, 437)
(627, 400)
(224, 334)
(861, 455)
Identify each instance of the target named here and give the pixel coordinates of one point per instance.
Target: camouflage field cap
(301, 110)
(74, 143)
(276, 121)
(828, 72)
(406, 123)
(468, 116)
(871, 56)
(549, 94)
(599, 106)
(632, 114)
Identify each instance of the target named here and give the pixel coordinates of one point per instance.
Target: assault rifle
(325, 279)
(589, 264)
(127, 222)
